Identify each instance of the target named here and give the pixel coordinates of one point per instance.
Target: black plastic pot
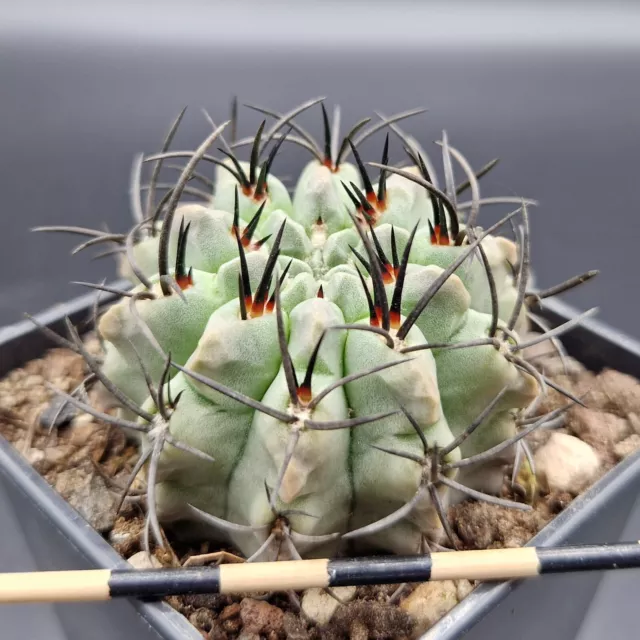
(55, 537)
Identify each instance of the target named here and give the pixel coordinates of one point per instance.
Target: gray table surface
(554, 92)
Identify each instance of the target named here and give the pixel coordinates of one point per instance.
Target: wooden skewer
(492, 564)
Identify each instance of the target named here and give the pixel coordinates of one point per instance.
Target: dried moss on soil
(87, 462)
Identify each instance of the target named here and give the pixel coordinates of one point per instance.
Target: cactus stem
(237, 396)
(478, 174)
(562, 287)
(444, 276)
(158, 165)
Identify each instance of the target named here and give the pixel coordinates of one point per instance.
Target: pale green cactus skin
(336, 480)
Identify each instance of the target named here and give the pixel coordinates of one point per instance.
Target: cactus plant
(325, 369)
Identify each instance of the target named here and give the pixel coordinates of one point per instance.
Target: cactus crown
(330, 367)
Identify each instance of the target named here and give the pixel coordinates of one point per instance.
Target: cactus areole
(323, 371)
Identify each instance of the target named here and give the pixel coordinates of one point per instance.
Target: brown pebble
(202, 619)
(627, 447)
(217, 632)
(600, 429)
(260, 617)
(230, 612)
(232, 626)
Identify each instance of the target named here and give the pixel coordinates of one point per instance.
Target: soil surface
(88, 463)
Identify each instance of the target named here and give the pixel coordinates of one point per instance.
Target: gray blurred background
(553, 89)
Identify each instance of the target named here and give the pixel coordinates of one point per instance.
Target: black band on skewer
(157, 583)
(382, 570)
(589, 558)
